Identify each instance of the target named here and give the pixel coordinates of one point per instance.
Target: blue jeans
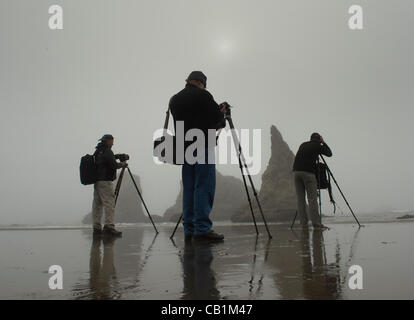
(199, 186)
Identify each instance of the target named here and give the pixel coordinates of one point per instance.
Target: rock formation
(230, 195)
(277, 194)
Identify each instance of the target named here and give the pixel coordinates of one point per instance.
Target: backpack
(87, 170)
(323, 179)
(322, 176)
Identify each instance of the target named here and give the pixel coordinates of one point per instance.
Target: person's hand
(223, 108)
(124, 164)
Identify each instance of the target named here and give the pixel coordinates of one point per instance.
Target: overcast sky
(114, 66)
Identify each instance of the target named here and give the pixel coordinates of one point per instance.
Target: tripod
(319, 195)
(242, 164)
(118, 188)
(340, 191)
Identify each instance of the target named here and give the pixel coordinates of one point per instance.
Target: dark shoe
(111, 231)
(209, 236)
(108, 241)
(97, 232)
(319, 227)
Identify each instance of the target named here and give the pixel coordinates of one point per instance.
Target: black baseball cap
(198, 75)
(316, 136)
(107, 137)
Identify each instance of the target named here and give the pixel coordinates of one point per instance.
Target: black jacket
(197, 108)
(106, 164)
(307, 155)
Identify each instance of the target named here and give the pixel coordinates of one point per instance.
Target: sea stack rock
(277, 195)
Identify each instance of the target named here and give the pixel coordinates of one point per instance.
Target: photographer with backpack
(103, 196)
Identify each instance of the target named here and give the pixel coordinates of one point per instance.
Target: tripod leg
(245, 186)
(118, 184)
(143, 202)
(319, 193)
(248, 197)
(254, 190)
(243, 177)
(176, 226)
(294, 219)
(242, 159)
(241, 171)
(342, 194)
(320, 206)
(258, 204)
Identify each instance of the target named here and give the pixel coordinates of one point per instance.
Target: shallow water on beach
(293, 265)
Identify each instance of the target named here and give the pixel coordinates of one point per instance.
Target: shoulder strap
(330, 193)
(167, 118)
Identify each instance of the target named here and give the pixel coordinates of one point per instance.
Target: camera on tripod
(227, 108)
(123, 157)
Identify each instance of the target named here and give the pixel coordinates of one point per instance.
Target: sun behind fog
(224, 47)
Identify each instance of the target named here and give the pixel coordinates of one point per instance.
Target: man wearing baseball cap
(196, 108)
(304, 169)
(103, 196)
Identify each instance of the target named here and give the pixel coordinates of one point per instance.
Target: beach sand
(293, 265)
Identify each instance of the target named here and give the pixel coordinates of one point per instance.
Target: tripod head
(227, 108)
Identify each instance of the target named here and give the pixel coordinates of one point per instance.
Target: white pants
(103, 197)
(306, 182)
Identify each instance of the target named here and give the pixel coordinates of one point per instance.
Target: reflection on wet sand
(108, 258)
(256, 291)
(292, 265)
(103, 282)
(319, 281)
(302, 267)
(198, 276)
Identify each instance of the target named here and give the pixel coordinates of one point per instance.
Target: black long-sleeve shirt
(307, 155)
(197, 108)
(106, 164)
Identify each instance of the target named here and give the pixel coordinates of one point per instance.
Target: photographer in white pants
(304, 169)
(103, 196)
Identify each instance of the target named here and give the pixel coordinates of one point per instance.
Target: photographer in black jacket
(103, 196)
(304, 169)
(196, 108)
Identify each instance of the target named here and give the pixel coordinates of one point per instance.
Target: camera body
(227, 107)
(123, 157)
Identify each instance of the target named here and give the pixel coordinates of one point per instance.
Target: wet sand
(293, 265)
